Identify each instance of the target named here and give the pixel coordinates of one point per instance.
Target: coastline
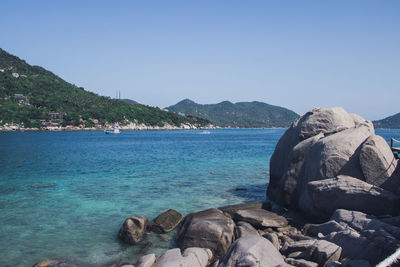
(130, 127)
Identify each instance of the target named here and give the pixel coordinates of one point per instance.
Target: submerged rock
(207, 229)
(43, 185)
(55, 263)
(252, 251)
(133, 229)
(166, 221)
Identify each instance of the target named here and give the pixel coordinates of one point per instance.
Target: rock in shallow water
(166, 221)
(55, 263)
(133, 229)
(43, 185)
(207, 229)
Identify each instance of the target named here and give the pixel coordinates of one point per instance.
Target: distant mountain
(31, 95)
(129, 101)
(242, 114)
(392, 122)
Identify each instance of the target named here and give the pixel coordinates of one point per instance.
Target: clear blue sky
(296, 54)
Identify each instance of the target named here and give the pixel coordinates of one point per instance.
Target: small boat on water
(112, 131)
(205, 132)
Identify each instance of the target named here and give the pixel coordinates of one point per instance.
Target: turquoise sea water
(66, 194)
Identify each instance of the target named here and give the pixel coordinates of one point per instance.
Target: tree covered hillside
(46, 92)
(391, 122)
(242, 114)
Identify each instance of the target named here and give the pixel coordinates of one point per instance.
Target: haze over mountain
(391, 122)
(242, 114)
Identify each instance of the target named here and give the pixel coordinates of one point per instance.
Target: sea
(65, 195)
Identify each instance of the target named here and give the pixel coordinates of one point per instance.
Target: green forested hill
(392, 122)
(241, 114)
(47, 92)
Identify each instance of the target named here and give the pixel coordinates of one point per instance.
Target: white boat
(205, 132)
(112, 131)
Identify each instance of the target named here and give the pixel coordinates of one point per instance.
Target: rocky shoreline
(125, 127)
(334, 190)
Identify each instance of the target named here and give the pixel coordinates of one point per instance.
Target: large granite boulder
(324, 121)
(252, 251)
(360, 236)
(166, 221)
(324, 144)
(378, 163)
(345, 192)
(133, 229)
(207, 229)
(191, 257)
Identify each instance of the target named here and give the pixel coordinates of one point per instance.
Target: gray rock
(260, 218)
(252, 250)
(324, 252)
(361, 236)
(273, 238)
(319, 251)
(297, 246)
(288, 182)
(132, 230)
(191, 257)
(334, 264)
(356, 263)
(146, 261)
(337, 154)
(231, 209)
(207, 229)
(301, 262)
(324, 228)
(317, 121)
(377, 162)
(345, 192)
(166, 221)
(243, 229)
